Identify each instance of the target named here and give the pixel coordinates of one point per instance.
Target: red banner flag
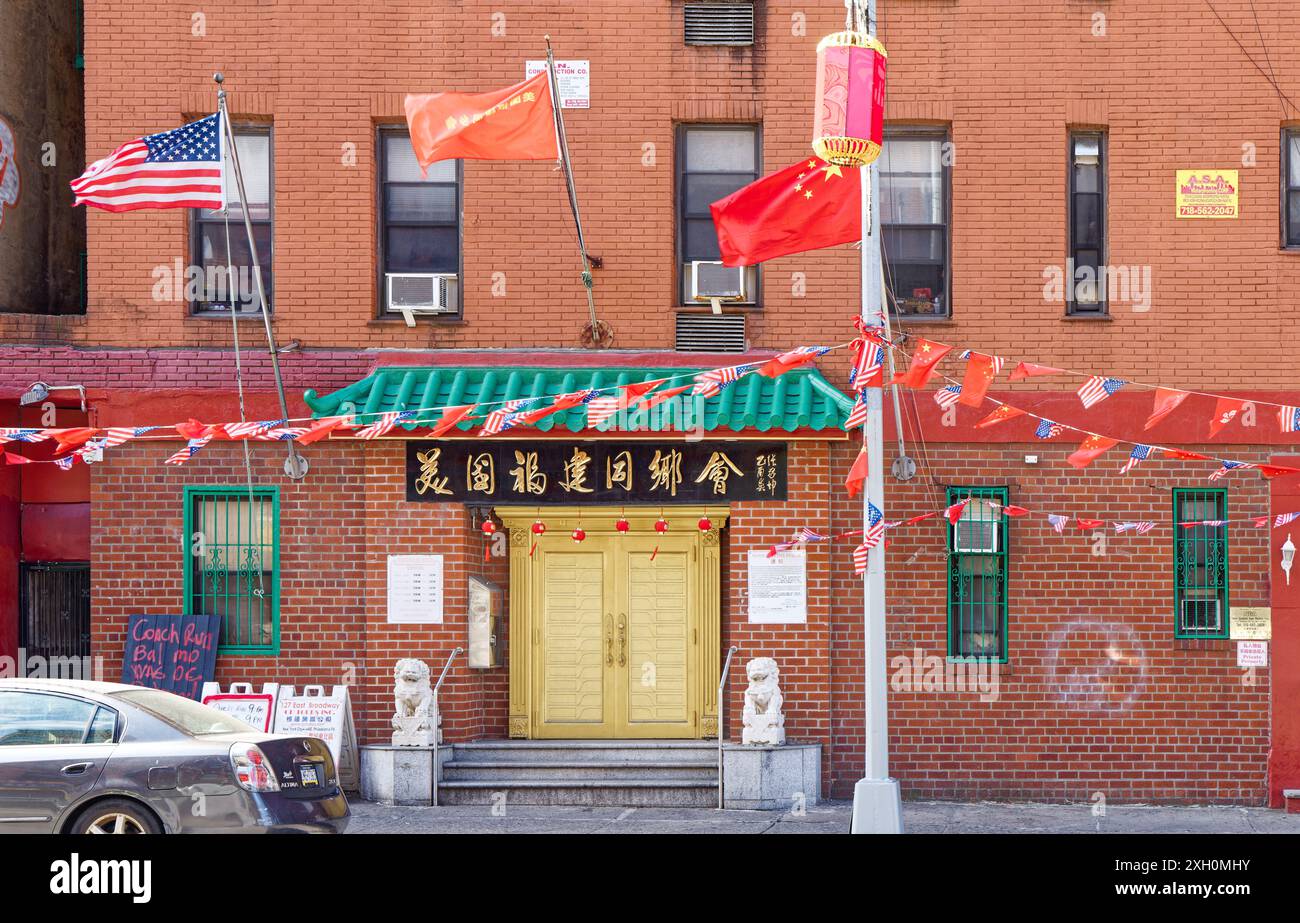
(980, 371)
(808, 206)
(1027, 369)
(517, 123)
(1004, 412)
(1089, 449)
(1090, 523)
(857, 474)
(924, 360)
(450, 418)
(71, 438)
(1225, 411)
(324, 428)
(953, 513)
(1184, 454)
(1273, 471)
(1167, 401)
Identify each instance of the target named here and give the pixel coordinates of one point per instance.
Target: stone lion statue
(414, 720)
(764, 721)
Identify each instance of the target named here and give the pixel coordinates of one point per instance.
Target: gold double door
(618, 629)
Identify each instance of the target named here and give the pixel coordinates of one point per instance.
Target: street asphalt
(830, 817)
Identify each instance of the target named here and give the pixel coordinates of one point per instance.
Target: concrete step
(632, 793)
(457, 769)
(569, 751)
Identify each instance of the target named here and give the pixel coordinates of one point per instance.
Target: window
(419, 232)
(914, 178)
(977, 575)
(713, 161)
(1086, 268)
(715, 23)
(1291, 187)
(32, 718)
(216, 295)
(233, 568)
(1200, 564)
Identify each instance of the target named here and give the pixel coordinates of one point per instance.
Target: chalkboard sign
(177, 653)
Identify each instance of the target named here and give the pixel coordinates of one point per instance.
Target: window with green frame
(233, 564)
(1200, 564)
(977, 575)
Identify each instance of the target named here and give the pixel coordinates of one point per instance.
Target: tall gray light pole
(877, 807)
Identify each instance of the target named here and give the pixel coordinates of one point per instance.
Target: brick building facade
(1096, 692)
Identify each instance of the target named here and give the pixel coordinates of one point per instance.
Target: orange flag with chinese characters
(517, 123)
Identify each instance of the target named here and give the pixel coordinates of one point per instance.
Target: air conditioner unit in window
(412, 293)
(715, 283)
(975, 536)
(1202, 615)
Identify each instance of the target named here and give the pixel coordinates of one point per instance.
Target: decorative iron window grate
(719, 23)
(977, 575)
(1200, 564)
(710, 333)
(233, 564)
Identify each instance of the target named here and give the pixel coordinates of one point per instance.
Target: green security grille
(977, 575)
(233, 568)
(1200, 564)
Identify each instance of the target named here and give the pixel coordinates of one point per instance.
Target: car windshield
(185, 714)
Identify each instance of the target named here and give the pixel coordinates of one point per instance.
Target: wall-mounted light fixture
(1288, 558)
(40, 391)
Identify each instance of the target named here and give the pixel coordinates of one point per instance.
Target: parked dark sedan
(83, 757)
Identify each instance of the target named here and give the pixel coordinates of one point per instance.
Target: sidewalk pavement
(829, 817)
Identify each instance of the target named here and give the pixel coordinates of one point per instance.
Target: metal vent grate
(710, 333)
(719, 23)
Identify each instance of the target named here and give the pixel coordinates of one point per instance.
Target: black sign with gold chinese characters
(594, 472)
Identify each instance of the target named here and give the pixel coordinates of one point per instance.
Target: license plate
(309, 775)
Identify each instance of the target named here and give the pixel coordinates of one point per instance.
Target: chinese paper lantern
(489, 527)
(578, 534)
(623, 525)
(661, 525)
(849, 118)
(705, 524)
(539, 528)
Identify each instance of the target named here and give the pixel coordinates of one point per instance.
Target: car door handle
(75, 769)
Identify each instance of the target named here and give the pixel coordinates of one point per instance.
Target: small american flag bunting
(189, 451)
(1097, 388)
(385, 424)
(1140, 453)
(1048, 430)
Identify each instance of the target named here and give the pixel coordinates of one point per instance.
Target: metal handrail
(722, 711)
(437, 720)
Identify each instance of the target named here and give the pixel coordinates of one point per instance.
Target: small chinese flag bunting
(1002, 413)
(857, 473)
(980, 372)
(1089, 449)
(924, 360)
(1167, 401)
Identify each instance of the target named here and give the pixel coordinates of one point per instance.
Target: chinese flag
(323, 428)
(857, 474)
(924, 360)
(72, 438)
(808, 206)
(1089, 449)
(450, 418)
(1029, 369)
(517, 123)
(980, 371)
(659, 397)
(1004, 412)
(1167, 401)
(1090, 523)
(1184, 454)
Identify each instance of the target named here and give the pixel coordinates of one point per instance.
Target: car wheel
(116, 815)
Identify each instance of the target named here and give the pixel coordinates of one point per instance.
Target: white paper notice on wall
(778, 587)
(1252, 653)
(573, 79)
(415, 589)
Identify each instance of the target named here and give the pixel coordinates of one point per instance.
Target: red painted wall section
(56, 532)
(10, 537)
(1284, 651)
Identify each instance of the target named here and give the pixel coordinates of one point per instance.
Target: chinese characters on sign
(595, 472)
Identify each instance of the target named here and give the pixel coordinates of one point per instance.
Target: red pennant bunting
(1028, 369)
(1274, 471)
(1004, 412)
(1225, 411)
(659, 397)
(779, 365)
(924, 360)
(980, 372)
(72, 438)
(1090, 523)
(563, 402)
(953, 513)
(12, 459)
(1089, 449)
(1015, 511)
(857, 474)
(450, 418)
(1167, 401)
(324, 428)
(924, 516)
(1184, 455)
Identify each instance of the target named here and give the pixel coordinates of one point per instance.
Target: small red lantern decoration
(489, 527)
(539, 528)
(623, 525)
(578, 534)
(661, 525)
(705, 524)
(849, 113)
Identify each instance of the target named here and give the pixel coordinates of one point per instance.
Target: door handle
(622, 640)
(609, 640)
(75, 769)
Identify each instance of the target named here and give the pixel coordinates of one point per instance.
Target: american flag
(1289, 419)
(1229, 466)
(858, 415)
(1096, 389)
(1283, 518)
(66, 463)
(1047, 429)
(1203, 522)
(180, 168)
(1058, 522)
(1140, 453)
(868, 366)
(250, 428)
(601, 408)
(947, 397)
(22, 435)
(502, 419)
(806, 534)
(710, 383)
(117, 435)
(870, 539)
(280, 434)
(384, 424)
(191, 449)
(1141, 528)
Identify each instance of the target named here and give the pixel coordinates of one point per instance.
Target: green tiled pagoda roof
(801, 399)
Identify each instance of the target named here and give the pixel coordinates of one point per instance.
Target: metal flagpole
(877, 807)
(598, 330)
(295, 466)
